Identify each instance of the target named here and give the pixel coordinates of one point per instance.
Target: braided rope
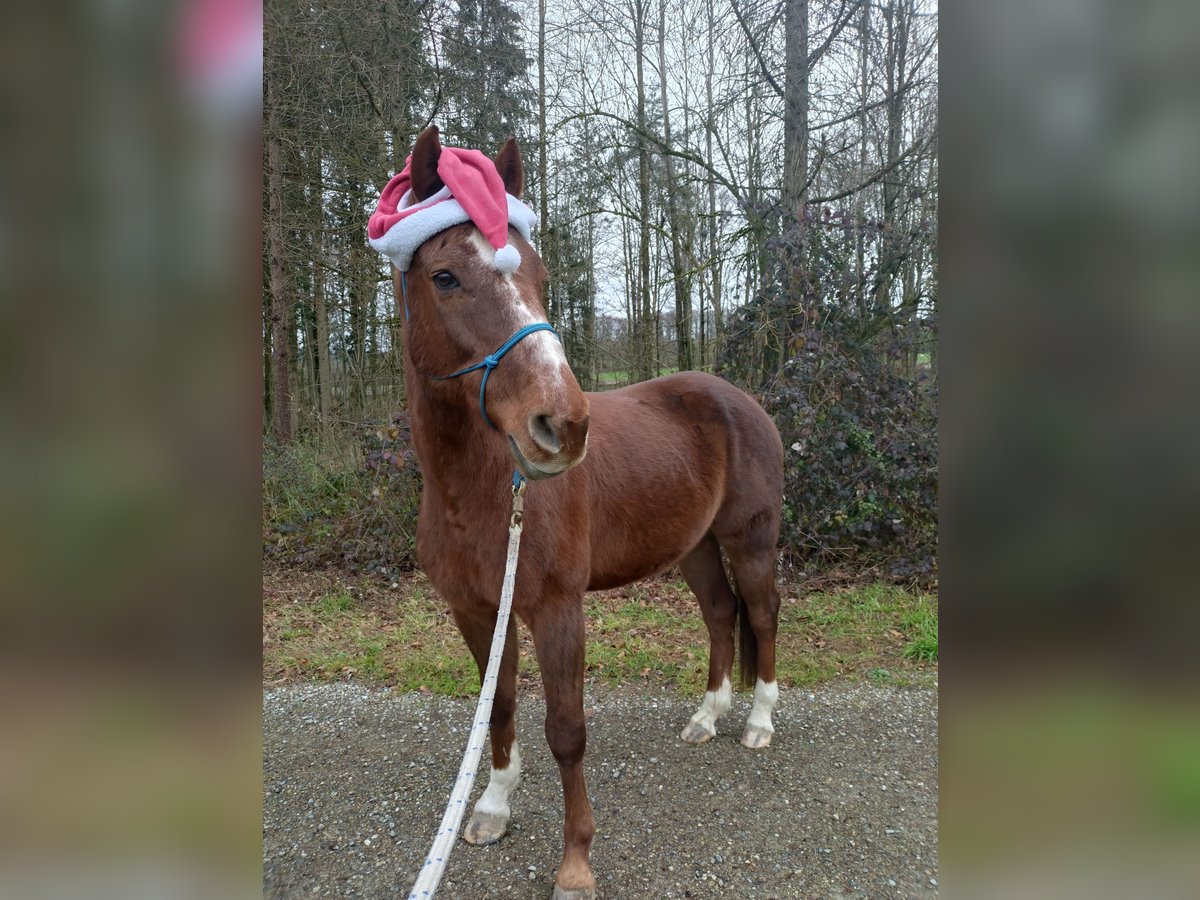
(439, 854)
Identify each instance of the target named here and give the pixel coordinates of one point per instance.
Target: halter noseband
(488, 362)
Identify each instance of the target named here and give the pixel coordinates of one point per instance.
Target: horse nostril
(543, 434)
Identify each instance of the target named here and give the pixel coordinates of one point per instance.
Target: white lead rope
(439, 854)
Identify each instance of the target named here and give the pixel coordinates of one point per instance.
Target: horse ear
(425, 180)
(512, 172)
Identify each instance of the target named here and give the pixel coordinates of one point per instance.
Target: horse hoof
(696, 733)
(484, 829)
(755, 738)
(561, 893)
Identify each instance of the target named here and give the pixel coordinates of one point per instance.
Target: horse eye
(445, 281)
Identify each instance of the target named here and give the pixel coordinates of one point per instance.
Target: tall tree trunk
(301, 376)
(897, 16)
(268, 403)
(281, 302)
(714, 246)
(860, 200)
(795, 109)
(543, 193)
(325, 371)
(589, 310)
(680, 264)
(647, 342)
(795, 184)
(633, 310)
(542, 201)
(756, 269)
(362, 286)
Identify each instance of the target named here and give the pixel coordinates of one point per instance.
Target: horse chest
(461, 553)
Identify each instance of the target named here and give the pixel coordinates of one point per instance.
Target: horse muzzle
(551, 445)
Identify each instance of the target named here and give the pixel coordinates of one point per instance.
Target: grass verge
(327, 626)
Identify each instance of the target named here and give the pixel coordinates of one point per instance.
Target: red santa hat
(473, 192)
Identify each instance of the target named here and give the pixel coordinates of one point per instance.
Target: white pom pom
(508, 259)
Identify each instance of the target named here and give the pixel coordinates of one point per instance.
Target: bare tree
(681, 264)
(281, 301)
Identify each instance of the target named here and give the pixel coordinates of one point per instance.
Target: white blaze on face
(766, 695)
(716, 704)
(545, 346)
(494, 801)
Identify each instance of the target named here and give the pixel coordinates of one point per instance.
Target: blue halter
(488, 362)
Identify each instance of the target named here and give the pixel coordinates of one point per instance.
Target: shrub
(833, 349)
(861, 455)
(352, 505)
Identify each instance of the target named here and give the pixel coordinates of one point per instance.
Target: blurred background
(131, 415)
(129, 545)
(1070, 225)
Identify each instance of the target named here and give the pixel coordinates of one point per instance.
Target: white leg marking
(766, 695)
(758, 727)
(494, 801)
(703, 724)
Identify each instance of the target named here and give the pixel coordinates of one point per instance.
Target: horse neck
(459, 455)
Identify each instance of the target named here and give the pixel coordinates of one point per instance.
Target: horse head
(465, 299)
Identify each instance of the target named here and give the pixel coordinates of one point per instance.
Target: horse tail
(747, 645)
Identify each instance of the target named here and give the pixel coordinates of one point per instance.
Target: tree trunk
(897, 18)
(325, 371)
(280, 300)
(714, 246)
(268, 404)
(860, 201)
(645, 349)
(795, 109)
(680, 264)
(543, 224)
(794, 189)
(589, 310)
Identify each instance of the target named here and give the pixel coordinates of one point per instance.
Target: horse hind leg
(489, 819)
(704, 574)
(754, 571)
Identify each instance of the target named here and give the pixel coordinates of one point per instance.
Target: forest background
(746, 187)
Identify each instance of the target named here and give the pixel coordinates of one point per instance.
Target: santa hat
(473, 192)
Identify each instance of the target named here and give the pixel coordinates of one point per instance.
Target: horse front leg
(489, 819)
(558, 635)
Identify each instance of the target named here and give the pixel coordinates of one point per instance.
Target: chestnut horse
(623, 484)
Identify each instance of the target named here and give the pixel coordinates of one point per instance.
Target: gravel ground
(842, 804)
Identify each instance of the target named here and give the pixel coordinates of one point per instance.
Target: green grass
(323, 628)
(866, 631)
(402, 637)
(921, 623)
(642, 635)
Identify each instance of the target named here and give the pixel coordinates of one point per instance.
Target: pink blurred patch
(219, 49)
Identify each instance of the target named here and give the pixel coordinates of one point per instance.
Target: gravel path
(843, 804)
